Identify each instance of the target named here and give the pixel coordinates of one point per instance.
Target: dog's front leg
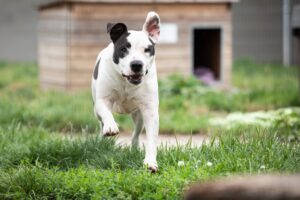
(103, 111)
(151, 121)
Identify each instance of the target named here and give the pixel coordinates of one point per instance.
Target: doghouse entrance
(207, 54)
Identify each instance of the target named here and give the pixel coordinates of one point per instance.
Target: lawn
(37, 161)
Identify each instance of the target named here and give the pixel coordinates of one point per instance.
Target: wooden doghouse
(194, 34)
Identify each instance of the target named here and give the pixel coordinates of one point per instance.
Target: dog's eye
(150, 49)
(123, 49)
(147, 50)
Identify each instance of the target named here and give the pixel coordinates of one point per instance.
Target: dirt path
(166, 140)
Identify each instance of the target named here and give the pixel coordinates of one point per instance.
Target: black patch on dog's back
(96, 69)
(121, 48)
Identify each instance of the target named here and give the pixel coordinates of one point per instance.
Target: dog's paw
(110, 129)
(151, 166)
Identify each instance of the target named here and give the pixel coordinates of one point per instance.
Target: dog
(125, 81)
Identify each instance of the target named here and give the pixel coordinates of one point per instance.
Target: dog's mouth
(134, 79)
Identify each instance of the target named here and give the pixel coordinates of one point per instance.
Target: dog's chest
(125, 101)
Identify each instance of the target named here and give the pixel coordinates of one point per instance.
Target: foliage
(288, 123)
(285, 122)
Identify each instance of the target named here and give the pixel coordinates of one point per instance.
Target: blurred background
(248, 48)
(258, 30)
(203, 38)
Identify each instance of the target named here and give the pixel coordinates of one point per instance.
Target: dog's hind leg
(100, 121)
(138, 128)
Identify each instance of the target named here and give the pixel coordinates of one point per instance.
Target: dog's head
(134, 50)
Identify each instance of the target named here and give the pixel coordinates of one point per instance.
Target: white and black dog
(125, 81)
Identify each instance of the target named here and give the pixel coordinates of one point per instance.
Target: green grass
(185, 104)
(37, 164)
(49, 148)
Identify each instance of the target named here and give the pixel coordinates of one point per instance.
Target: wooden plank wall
(86, 36)
(52, 48)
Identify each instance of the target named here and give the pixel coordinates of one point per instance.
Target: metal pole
(286, 33)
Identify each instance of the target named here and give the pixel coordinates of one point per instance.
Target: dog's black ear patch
(118, 34)
(96, 69)
(121, 48)
(116, 30)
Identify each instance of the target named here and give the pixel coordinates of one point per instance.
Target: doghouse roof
(59, 2)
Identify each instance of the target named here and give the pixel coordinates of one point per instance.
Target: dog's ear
(152, 26)
(116, 30)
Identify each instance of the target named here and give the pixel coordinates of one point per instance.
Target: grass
(38, 164)
(41, 157)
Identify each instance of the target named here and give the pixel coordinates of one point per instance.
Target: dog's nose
(136, 66)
